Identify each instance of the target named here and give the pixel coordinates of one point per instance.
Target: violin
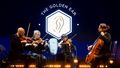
(37, 41)
(69, 42)
(27, 39)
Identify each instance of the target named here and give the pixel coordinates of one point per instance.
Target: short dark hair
(64, 36)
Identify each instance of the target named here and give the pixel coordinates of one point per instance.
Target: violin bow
(73, 36)
(28, 29)
(45, 36)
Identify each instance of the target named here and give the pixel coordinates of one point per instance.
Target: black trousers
(100, 60)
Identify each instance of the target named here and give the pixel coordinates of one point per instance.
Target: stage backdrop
(76, 17)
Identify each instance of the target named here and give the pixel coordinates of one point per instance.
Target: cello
(94, 51)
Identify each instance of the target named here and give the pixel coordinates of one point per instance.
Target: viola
(37, 41)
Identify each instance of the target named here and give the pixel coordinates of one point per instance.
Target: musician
(104, 50)
(67, 48)
(17, 44)
(38, 42)
(39, 46)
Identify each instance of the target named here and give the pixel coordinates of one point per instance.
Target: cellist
(104, 42)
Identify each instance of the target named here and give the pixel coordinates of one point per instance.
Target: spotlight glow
(39, 24)
(12, 66)
(75, 60)
(32, 66)
(84, 66)
(103, 66)
(19, 66)
(67, 66)
(53, 66)
(77, 24)
(111, 61)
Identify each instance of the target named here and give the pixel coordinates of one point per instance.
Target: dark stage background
(16, 13)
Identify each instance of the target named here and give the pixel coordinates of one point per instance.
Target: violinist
(38, 42)
(67, 48)
(104, 41)
(37, 39)
(39, 46)
(17, 44)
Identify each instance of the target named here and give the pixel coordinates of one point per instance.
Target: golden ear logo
(59, 22)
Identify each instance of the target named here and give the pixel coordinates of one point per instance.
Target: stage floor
(53, 64)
